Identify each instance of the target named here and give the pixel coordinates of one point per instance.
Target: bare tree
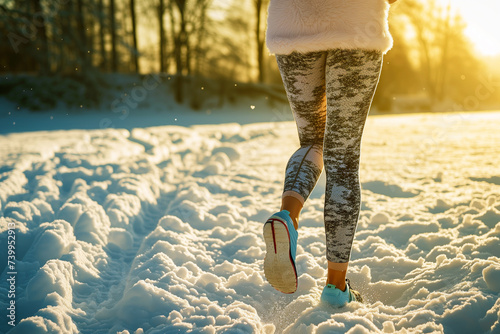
(135, 51)
(260, 36)
(112, 27)
(102, 49)
(441, 75)
(188, 24)
(199, 23)
(43, 54)
(437, 32)
(162, 36)
(81, 40)
(180, 43)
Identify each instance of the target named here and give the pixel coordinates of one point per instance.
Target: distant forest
(75, 43)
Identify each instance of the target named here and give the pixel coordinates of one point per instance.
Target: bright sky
(483, 23)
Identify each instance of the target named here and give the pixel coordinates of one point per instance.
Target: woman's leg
(304, 80)
(351, 80)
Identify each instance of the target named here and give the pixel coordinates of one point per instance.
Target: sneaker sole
(279, 267)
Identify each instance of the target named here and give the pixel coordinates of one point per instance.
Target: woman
(329, 54)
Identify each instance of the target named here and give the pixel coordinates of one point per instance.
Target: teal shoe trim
(281, 237)
(292, 232)
(338, 298)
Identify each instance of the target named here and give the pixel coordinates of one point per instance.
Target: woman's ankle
(334, 280)
(292, 205)
(337, 274)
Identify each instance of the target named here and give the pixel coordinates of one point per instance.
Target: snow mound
(158, 230)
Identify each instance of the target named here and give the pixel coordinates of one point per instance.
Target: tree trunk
(181, 38)
(103, 65)
(161, 12)
(179, 84)
(441, 82)
(426, 59)
(185, 43)
(91, 35)
(180, 43)
(43, 55)
(82, 38)
(188, 57)
(135, 52)
(66, 47)
(200, 39)
(114, 58)
(259, 40)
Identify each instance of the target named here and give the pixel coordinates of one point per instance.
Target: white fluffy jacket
(317, 25)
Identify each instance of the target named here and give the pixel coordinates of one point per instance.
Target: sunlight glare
(482, 21)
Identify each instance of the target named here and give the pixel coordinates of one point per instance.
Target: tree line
(223, 41)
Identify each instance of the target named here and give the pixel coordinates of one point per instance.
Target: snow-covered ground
(158, 230)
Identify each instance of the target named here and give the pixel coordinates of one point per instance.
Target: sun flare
(482, 23)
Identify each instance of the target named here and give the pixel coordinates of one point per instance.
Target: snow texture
(159, 230)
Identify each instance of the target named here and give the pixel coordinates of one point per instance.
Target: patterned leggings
(330, 93)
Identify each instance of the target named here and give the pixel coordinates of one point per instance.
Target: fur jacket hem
(319, 25)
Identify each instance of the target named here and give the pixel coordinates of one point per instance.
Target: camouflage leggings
(330, 93)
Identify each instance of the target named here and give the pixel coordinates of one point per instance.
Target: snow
(158, 229)
(158, 109)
